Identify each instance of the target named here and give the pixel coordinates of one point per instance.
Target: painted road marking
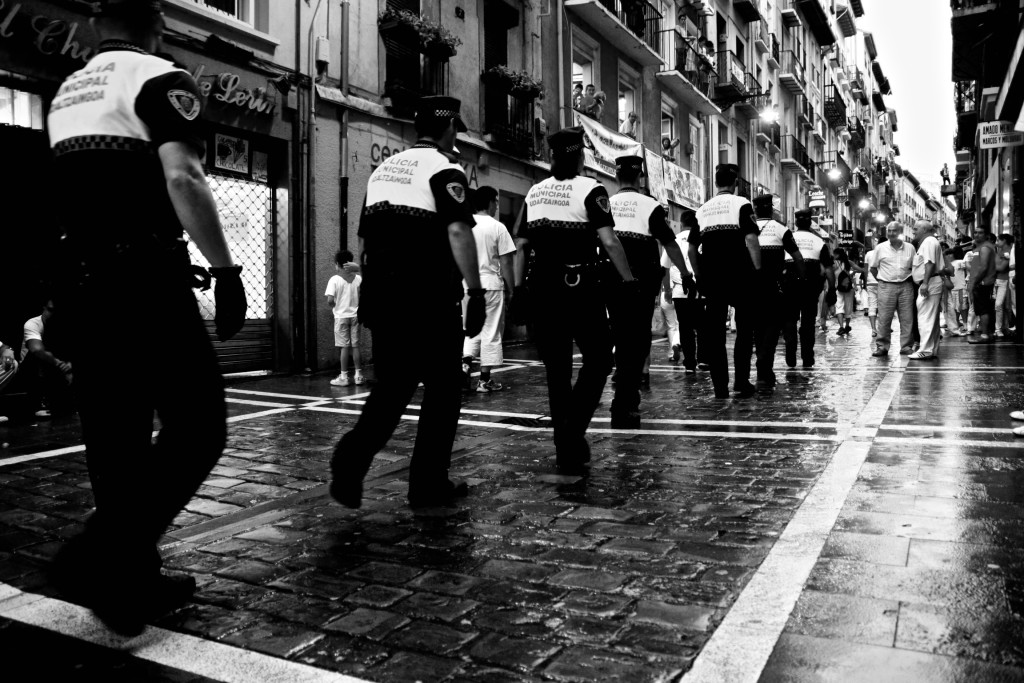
(740, 647)
(271, 394)
(197, 656)
(250, 402)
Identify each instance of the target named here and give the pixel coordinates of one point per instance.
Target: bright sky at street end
(915, 49)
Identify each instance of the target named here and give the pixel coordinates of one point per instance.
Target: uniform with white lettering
(802, 295)
(561, 219)
(816, 254)
(724, 221)
(640, 224)
(776, 242)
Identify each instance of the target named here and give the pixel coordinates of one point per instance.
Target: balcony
(835, 107)
(743, 187)
(687, 73)
(731, 85)
(858, 7)
(754, 100)
(791, 73)
(774, 56)
(749, 10)
(878, 101)
(770, 134)
(820, 130)
(790, 17)
(844, 18)
(508, 120)
(817, 20)
(795, 158)
(632, 26)
(966, 113)
(973, 22)
(761, 36)
(804, 112)
(857, 137)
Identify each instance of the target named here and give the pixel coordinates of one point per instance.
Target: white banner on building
(608, 144)
(683, 187)
(655, 177)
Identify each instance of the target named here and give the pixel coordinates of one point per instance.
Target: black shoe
(676, 350)
(791, 358)
(626, 419)
(703, 366)
(764, 387)
(346, 486)
(440, 499)
(880, 353)
(808, 363)
(723, 393)
(572, 468)
(645, 382)
(745, 390)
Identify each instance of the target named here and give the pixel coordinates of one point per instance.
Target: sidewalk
(865, 523)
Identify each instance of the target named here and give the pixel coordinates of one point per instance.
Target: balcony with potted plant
(508, 109)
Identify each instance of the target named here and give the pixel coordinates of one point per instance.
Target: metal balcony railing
(508, 119)
(856, 129)
(681, 53)
(965, 95)
(761, 35)
(639, 16)
(835, 106)
(769, 132)
(743, 187)
(795, 150)
(775, 52)
(791, 64)
(730, 71)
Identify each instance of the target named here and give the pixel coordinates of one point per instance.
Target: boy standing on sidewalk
(343, 297)
(494, 251)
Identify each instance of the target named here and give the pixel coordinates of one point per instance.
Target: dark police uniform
(411, 199)
(560, 222)
(640, 224)
(127, 262)
(776, 243)
(690, 310)
(726, 278)
(802, 294)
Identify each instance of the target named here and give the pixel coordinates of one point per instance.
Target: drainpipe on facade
(308, 266)
(343, 181)
(298, 235)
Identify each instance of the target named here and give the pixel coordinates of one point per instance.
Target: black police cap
(124, 8)
(629, 163)
(764, 201)
(443, 108)
(567, 140)
(803, 214)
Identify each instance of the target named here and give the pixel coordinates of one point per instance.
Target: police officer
(776, 242)
(727, 268)
(127, 142)
(565, 218)
(640, 224)
(416, 226)
(802, 293)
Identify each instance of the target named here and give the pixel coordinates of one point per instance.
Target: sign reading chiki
(999, 134)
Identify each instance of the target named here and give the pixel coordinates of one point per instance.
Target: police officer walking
(776, 242)
(727, 268)
(416, 226)
(640, 224)
(128, 145)
(565, 218)
(803, 289)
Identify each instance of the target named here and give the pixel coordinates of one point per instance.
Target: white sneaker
(1017, 415)
(359, 379)
(1018, 431)
(340, 381)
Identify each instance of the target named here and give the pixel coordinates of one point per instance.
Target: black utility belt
(573, 274)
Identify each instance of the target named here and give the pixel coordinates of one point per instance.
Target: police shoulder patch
(457, 191)
(185, 103)
(602, 202)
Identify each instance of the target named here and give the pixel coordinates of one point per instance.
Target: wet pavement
(866, 522)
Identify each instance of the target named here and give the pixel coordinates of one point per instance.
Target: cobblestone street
(863, 523)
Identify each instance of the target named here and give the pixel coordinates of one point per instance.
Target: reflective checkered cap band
(445, 113)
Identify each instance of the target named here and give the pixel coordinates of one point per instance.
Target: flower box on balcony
(518, 84)
(400, 29)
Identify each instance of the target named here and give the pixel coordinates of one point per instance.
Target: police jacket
(411, 199)
(724, 222)
(816, 254)
(106, 124)
(561, 219)
(640, 224)
(776, 242)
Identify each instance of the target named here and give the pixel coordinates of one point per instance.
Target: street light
(770, 114)
(864, 203)
(834, 173)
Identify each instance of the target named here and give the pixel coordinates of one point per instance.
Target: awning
(869, 43)
(1011, 94)
(815, 15)
(876, 98)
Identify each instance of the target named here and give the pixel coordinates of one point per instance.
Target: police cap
(629, 164)
(804, 214)
(127, 8)
(764, 201)
(689, 219)
(441, 108)
(726, 174)
(566, 141)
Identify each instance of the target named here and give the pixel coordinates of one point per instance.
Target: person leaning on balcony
(668, 145)
(630, 126)
(565, 217)
(894, 261)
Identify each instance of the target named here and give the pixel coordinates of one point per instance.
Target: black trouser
(800, 303)
(717, 354)
(630, 317)
(692, 331)
(562, 315)
(767, 324)
(397, 379)
(45, 384)
(161, 361)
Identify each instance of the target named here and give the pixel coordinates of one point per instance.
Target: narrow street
(862, 524)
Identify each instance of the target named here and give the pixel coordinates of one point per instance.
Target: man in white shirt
(894, 260)
(494, 251)
(928, 266)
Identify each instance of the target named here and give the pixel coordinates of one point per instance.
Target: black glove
(475, 312)
(520, 312)
(229, 298)
(690, 287)
(199, 278)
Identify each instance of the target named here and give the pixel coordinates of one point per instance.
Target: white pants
(1002, 287)
(671, 322)
(487, 344)
(928, 308)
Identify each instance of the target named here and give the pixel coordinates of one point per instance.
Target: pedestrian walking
(564, 219)
(776, 241)
(893, 264)
(416, 226)
(871, 291)
(343, 298)
(1004, 250)
(983, 278)
(724, 248)
(640, 225)
(689, 302)
(494, 252)
(803, 293)
(927, 273)
(128, 144)
(845, 272)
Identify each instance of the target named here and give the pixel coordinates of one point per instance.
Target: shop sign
(50, 36)
(999, 134)
(816, 199)
(232, 154)
(226, 87)
(683, 187)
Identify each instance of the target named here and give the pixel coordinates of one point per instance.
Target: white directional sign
(999, 134)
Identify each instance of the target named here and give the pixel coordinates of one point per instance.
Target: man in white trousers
(927, 273)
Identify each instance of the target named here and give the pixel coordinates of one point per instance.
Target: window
(22, 109)
(585, 58)
(629, 101)
(243, 10)
(697, 143)
(741, 51)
